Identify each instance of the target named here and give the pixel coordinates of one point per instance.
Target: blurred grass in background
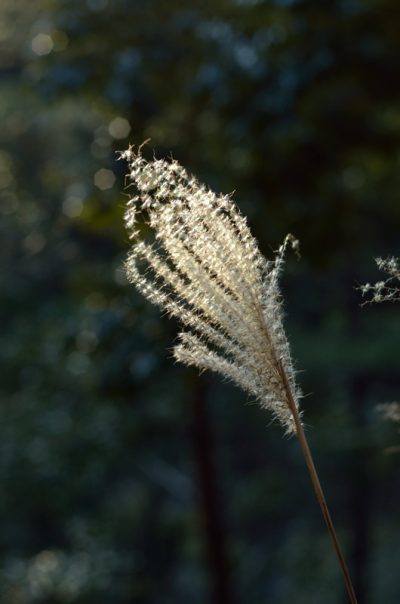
(125, 478)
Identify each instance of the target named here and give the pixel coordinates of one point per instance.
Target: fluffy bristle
(203, 266)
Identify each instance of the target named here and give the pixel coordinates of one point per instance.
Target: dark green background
(123, 477)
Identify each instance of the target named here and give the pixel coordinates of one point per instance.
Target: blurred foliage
(295, 105)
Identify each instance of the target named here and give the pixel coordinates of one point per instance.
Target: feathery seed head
(204, 267)
(387, 290)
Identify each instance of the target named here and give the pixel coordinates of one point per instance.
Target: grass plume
(203, 266)
(387, 290)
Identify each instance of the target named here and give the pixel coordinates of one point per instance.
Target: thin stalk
(317, 487)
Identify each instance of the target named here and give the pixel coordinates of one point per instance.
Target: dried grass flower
(203, 266)
(387, 290)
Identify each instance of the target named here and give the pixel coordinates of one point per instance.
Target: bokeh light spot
(104, 179)
(119, 127)
(42, 44)
(34, 242)
(72, 206)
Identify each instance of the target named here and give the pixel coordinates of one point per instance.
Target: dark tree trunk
(214, 529)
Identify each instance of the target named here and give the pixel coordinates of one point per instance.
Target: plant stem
(317, 487)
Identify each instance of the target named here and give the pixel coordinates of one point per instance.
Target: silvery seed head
(203, 266)
(389, 289)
